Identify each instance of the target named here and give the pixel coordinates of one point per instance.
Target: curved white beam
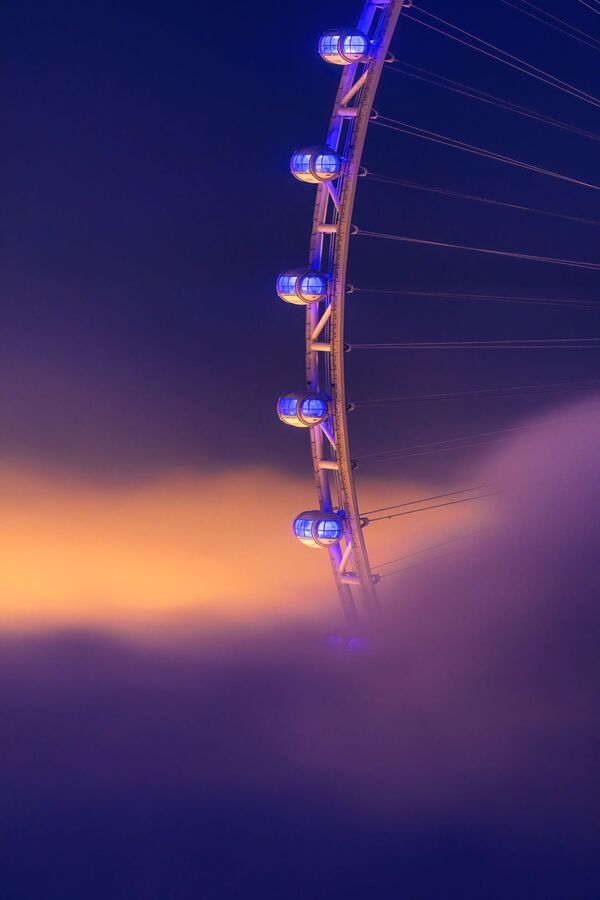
(329, 247)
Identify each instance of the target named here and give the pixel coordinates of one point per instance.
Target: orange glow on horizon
(217, 546)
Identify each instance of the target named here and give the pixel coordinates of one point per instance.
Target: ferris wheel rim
(325, 345)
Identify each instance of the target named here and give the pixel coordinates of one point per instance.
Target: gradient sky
(459, 758)
(147, 207)
(148, 487)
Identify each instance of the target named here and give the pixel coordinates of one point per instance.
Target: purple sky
(457, 757)
(147, 209)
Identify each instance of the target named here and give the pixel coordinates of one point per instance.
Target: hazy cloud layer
(456, 759)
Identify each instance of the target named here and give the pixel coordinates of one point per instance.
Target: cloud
(172, 549)
(472, 723)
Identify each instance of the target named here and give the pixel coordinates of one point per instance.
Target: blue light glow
(355, 44)
(315, 164)
(313, 408)
(286, 406)
(316, 528)
(344, 47)
(351, 646)
(313, 284)
(286, 284)
(329, 530)
(328, 44)
(303, 528)
(326, 164)
(301, 163)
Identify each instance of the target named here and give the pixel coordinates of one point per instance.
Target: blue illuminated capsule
(344, 47)
(353, 646)
(315, 165)
(303, 410)
(315, 528)
(302, 286)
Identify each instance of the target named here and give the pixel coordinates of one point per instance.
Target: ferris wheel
(336, 523)
(321, 287)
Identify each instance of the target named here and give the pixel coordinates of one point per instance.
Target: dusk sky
(175, 722)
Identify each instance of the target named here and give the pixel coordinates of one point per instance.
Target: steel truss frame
(325, 348)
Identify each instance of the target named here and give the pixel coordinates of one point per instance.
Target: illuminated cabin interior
(303, 410)
(315, 528)
(302, 286)
(342, 48)
(315, 165)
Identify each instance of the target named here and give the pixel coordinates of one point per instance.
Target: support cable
(465, 445)
(415, 565)
(462, 537)
(457, 87)
(435, 137)
(410, 512)
(512, 254)
(431, 189)
(492, 298)
(477, 487)
(589, 6)
(514, 62)
(564, 27)
(483, 393)
(533, 344)
(447, 441)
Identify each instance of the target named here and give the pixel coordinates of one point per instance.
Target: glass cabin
(315, 165)
(344, 47)
(317, 529)
(302, 286)
(303, 410)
